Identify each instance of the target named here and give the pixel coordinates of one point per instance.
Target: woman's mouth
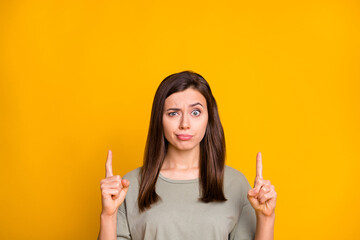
(184, 137)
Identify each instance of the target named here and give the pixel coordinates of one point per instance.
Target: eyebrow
(191, 105)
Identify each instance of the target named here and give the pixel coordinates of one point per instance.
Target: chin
(185, 147)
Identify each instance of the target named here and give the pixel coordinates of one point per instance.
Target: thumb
(125, 188)
(253, 192)
(122, 194)
(126, 184)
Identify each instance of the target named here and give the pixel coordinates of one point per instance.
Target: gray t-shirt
(181, 215)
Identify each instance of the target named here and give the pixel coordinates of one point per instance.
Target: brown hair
(212, 146)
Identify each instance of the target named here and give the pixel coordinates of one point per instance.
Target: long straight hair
(212, 146)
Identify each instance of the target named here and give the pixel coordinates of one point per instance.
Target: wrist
(265, 218)
(264, 226)
(107, 216)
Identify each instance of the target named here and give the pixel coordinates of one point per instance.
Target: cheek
(202, 126)
(168, 127)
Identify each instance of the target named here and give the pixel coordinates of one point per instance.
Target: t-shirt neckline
(195, 180)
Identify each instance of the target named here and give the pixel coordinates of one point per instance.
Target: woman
(184, 190)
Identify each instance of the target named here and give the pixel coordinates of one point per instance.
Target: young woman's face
(185, 119)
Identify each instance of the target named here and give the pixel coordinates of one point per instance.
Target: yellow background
(78, 78)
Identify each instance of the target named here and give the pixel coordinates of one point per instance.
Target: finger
(125, 188)
(259, 182)
(125, 183)
(114, 185)
(252, 198)
(108, 165)
(252, 192)
(267, 182)
(268, 196)
(116, 178)
(259, 165)
(118, 183)
(264, 190)
(262, 183)
(110, 193)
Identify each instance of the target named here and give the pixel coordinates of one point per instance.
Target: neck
(178, 159)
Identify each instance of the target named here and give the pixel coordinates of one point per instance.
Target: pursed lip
(184, 136)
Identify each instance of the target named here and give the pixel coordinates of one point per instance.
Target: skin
(263, 199)
(185, 113)
(113, 192)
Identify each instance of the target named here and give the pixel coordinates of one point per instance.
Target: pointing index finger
(258, 165)
(108, 165)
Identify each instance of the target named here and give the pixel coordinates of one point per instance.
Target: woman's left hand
(263, 196)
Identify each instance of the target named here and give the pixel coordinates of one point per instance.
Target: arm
(107, 227)
(115, 227)
(113, 192)
(263, 199)
(264, 227)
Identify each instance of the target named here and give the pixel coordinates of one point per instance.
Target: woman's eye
(196, 112)
(171, 114)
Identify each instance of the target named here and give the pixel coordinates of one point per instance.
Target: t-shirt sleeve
(122, 227)
(246, 225)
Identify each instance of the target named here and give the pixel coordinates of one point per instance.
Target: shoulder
(236, 186)
(233, 178)
(133, 176)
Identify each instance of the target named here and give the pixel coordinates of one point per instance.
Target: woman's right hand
(113, 189)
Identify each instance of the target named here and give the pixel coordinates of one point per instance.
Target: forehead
(186, 97)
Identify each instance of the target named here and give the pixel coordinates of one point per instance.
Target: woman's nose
(184, 124)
